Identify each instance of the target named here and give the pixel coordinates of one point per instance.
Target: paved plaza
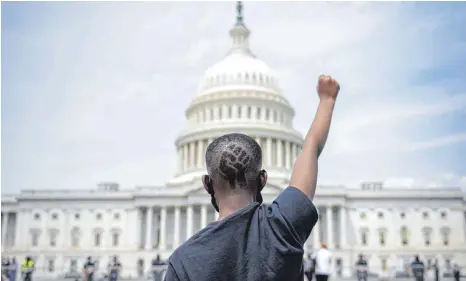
(330, 279)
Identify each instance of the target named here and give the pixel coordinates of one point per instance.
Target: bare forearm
(304, 176)
(316, 137)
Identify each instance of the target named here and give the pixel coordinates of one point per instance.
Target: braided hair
(236, 159)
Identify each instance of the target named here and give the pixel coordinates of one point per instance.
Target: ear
(264, 178)
(205, 180)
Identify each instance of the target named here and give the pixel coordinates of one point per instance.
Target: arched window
(53, 236)
(443, 215)
(115, 237)
(404, 235)
(97, 237)
(445, 232)
(427, 234)
(75, 234)
(380, 215)
(35, 235)
(363, 216)
(364, 235)
(425, 215)
(382, 236)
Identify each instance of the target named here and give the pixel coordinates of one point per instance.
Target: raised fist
(327, 87)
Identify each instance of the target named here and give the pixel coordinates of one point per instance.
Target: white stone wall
(129, 220)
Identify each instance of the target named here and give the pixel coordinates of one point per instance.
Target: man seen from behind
(251, 241)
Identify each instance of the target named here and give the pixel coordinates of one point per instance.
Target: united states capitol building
(60, 228)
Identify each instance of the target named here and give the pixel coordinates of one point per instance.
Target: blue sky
(87, 88)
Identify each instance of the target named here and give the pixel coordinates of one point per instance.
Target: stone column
(191, 155)
(263, 113)
(329, 227)
(244, 114)
(149, 215)
(234, 111)
(139, 225)
(203, 216)
(200, 155)
(20, 228)
(342, 227)
(279, 153)
(4, 228)
(180, 159)
(258, 140)
(254, 112)
(287, 155)
(185, 157)
(64, 229)
(176, 234)
(294, 152)
(316, 233)
(163, 227)
(269, 152)
(189, 221)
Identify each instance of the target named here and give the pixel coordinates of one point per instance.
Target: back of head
(235, 159)
(416, 258)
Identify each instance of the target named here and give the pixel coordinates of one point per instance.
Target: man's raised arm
(304, 175)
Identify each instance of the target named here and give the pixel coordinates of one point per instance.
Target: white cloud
(121, 87)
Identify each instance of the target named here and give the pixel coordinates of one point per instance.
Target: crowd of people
(318, 267)
(10, 269)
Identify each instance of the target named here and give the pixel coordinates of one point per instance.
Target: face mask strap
(210, 190)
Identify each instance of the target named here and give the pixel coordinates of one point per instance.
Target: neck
(232, 202)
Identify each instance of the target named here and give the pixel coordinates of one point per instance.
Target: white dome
(240, 67)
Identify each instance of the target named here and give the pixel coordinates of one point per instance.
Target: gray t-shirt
(257, 243)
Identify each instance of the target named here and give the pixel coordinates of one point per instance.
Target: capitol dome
(240, 67)
(239, 94)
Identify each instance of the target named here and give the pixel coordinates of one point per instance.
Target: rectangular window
(50, 265)
(97, 239)
(53, 239)
(35, 239)
(115, 239)
(73, 265)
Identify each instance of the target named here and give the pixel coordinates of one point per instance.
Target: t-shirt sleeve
(171, 274)
(293, 215)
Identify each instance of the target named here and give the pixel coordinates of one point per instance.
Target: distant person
(158, 268)
(418, 269)
(323, 259)
(362, 268)
(89, 269)
(308, 267)
(252, 241)
(114, 269)
(456, 272)
(13, 270)
(5, 266)
(27, 268)
(436, 271)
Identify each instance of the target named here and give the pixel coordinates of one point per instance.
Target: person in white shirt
(323, 259)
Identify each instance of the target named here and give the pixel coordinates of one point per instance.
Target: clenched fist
(327, 87)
